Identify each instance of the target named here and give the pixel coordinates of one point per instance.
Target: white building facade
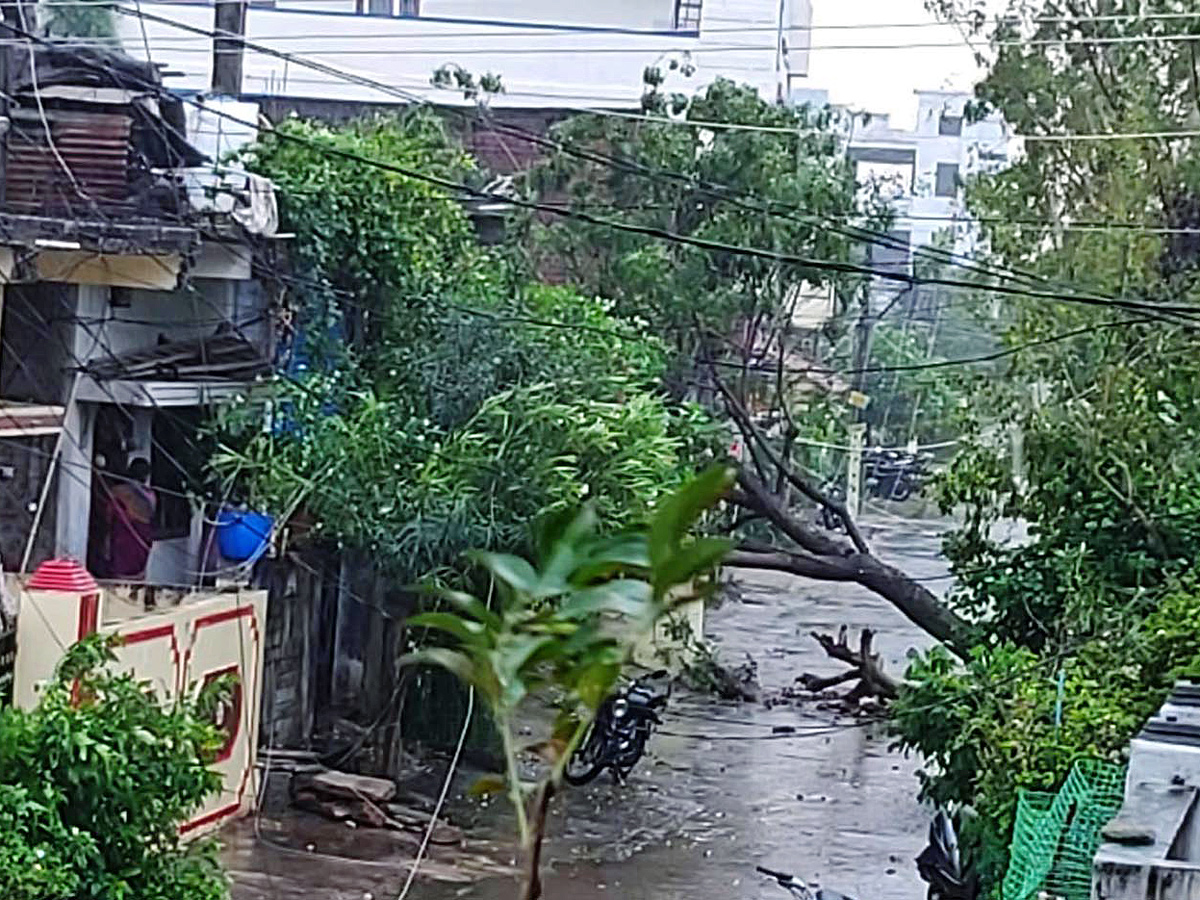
(561, 54)
(921, 172)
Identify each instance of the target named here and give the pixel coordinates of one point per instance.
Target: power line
(565, 28)
(1169, 37)
(940, 363)
(539, 28)
(506, 51)
(585, 154)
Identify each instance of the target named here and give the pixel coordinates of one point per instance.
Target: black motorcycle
(826, 517)
(895, 475)
(618, 736)
(799, 888)
(941, 865)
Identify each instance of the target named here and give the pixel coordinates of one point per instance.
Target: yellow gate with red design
(189, 639)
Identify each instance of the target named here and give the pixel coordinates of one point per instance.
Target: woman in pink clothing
(131, 507)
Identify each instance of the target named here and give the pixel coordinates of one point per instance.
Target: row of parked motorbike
(618, 738)
(887, 475)
(895, 474)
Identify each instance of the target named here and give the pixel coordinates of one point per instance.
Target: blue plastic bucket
(243, 535)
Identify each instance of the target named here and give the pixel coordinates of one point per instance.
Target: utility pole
(229, 32)
(779, 76)
(859, 400)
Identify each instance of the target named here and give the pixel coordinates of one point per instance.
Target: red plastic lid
(67, 575)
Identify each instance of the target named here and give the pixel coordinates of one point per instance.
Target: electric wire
(637, 168)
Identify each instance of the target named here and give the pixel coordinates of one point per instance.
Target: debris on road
(363, 801)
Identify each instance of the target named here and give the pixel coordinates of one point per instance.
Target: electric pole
(229, 32)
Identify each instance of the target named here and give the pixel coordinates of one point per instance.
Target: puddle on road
(718, 793)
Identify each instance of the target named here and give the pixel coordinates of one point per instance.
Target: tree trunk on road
(817, 554)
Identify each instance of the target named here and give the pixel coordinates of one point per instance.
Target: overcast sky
(883, 80)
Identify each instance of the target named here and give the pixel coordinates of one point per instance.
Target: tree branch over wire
(753, 435)
(821, 556)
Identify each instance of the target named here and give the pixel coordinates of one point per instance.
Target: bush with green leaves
(446, 402)
(1000, 722)
(565, 625)
(94, 784)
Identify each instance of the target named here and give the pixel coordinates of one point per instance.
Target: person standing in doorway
(131, 507)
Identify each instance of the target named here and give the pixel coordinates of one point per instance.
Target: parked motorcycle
(826, 517)
(941, 865)
(893, 474)
(618, 736)
(800, 889)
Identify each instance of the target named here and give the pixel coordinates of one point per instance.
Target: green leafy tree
(694, 182)
(565, 625)
(1102, 399)
(445, 397)
(705, 202)
(94, 784)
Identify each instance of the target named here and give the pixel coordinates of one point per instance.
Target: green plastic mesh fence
(1057, 834)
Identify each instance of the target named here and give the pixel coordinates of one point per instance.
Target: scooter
(799, 888)
(618, 736)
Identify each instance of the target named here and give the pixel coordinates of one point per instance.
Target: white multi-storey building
(921, 172)
(560, 54)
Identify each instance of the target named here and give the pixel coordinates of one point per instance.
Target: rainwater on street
(718, 793)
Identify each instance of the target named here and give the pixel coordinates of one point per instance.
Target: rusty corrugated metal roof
(93, 148)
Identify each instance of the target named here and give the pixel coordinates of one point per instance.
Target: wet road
(719, 792)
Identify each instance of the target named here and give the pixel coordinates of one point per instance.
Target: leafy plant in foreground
(94, 784)
(566, 624)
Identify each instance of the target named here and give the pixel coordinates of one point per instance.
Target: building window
(947, 180)
(408, 8)
(173, 450)
(891, 255)
(687, 15)
(950, 126)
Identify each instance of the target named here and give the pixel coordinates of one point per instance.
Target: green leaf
(608, 556)
(517, 573)
(466, 630)
(563, 557)
(676, 515)
(595, 682)
(692, 559)
(625, 596)
(470, 605)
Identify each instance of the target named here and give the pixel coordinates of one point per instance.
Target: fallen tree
(814, 553)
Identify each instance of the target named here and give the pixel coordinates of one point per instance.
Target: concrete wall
(176, 649)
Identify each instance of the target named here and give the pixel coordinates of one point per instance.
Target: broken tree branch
(751, 432)
(817, 683)
(757, 497)
(867, 667)
(913, 599)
